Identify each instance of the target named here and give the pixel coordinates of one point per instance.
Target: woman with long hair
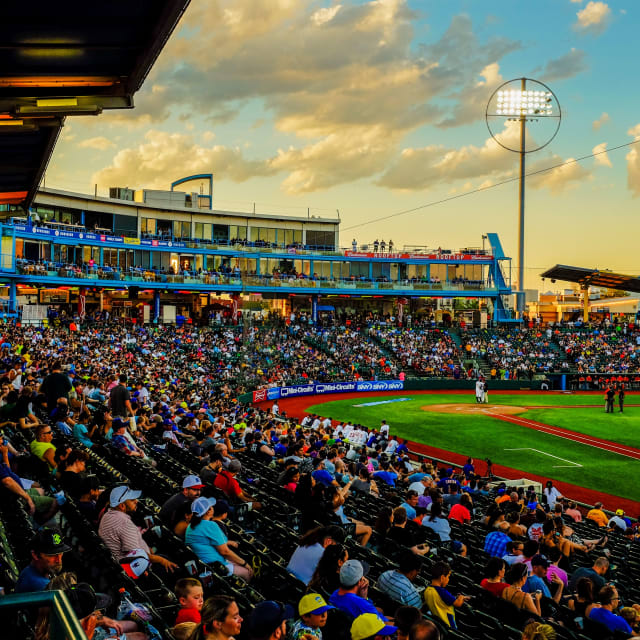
(584, 599)
(220, 620)
(441, 526)
(493, 581)
(335, 498)
(384, 520)
(516, 578)
(326, 577)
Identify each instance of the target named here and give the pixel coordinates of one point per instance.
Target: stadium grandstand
(155, 482)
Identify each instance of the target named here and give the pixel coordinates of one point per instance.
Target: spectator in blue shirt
(321, 475)
(351, 597)
(609, 599)
(410, 504)
(536, 581)
(385, 475)
(495, 544)
(47, 548)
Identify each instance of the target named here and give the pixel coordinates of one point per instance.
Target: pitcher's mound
(475, 409)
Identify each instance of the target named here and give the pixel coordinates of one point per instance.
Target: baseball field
(567, 438)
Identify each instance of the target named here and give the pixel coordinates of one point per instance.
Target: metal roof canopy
(69, 58)
(593, 277)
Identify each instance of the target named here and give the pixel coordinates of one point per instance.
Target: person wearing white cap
(209, 542)
(118, 531)
(173, 508)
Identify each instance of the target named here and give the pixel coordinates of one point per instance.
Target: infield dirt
(474, 409)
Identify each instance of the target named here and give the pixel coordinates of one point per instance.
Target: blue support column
(13, 300)
(155, 313)
(314, 308)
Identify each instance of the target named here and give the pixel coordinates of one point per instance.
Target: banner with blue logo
(312, 389)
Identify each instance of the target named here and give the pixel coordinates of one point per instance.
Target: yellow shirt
(439, 607)
(40, 448)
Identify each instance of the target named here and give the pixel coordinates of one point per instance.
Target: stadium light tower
(522, 101)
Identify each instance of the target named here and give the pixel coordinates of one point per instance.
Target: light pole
(522, 100)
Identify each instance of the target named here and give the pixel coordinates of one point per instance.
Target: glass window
(221, 233)
(125, 226)
(148, 225)
(321, 239)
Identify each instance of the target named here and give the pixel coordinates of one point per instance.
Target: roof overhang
(68, 58)
(593, 278)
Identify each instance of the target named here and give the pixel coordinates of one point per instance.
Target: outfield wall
(368, 386)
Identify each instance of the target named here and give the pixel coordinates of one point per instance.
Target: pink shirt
(557, 571)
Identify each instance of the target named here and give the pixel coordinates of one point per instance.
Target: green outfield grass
(508, 444)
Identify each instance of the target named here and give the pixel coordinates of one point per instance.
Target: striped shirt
(120, 534)
(399, 588)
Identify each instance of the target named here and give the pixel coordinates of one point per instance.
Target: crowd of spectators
(613, 350)
(513, 352)
(426, 352)
(384, 547)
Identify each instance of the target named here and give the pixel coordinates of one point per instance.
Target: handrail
(62, 619)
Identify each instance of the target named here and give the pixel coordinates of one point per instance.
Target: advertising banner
(313, 389)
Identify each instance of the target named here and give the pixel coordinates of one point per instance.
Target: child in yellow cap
(313, 616)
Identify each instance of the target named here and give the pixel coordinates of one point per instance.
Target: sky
(369, 108)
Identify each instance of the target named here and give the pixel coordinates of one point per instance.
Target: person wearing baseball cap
(118, 531)
(351, 597)
(47, 548)
(209, 542)
(369, 626)
(268, 620)
(536, 581)
(312, 609)
(173, 508)
(226, 481)
(618, 520)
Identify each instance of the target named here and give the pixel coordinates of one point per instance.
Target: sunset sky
(375, 107)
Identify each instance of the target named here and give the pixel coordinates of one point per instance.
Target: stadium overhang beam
(65, 59)
(593, 277)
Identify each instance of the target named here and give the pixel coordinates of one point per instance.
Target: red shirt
(188, 615)
(227, 483)
(460, 513)
(496, 588)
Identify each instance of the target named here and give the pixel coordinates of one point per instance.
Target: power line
(486, 188)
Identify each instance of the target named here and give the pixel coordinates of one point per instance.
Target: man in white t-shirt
(391, 446)
(384, 429)
(326, 423)
(316, 424)
(347, 431)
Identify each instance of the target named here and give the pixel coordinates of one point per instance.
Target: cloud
(568, 175)
(566, 66)
(428, 167)
(163, 156)
(334, 160)
(593, 18)
(322, 75)
(601, 157)
(603, 119)
(472, 101)
(633, 163)
(100, 143)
